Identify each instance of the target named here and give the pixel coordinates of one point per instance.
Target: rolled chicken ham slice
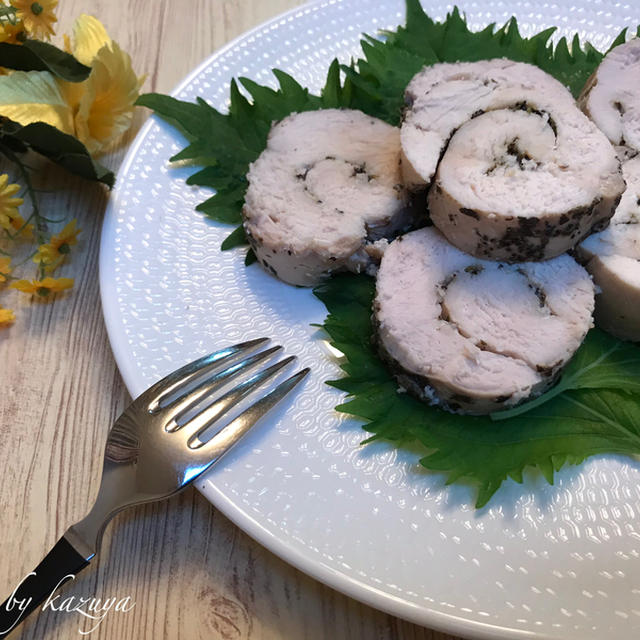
(611, 97)
(324, 195)
(476, 336)
(517, 172)
(613, 258)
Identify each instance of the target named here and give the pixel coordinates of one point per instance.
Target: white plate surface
(537, 562)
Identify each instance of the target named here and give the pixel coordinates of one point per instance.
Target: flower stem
(35, 214)
(25, 260)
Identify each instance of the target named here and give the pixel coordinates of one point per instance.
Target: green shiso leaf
(236, 238)
(594, 409)
(223, 145)
(603, 362)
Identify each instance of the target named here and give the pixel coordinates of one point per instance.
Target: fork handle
(62, 563)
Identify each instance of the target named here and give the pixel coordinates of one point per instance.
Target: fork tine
(184, 375)
(238, 427)
(199, 423)
(188, 400)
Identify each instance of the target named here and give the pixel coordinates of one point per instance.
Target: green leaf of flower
(61, 148)
(34, 55)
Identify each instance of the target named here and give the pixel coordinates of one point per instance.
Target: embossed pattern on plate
(538, 561)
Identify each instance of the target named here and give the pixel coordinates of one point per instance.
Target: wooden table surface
(191, 573)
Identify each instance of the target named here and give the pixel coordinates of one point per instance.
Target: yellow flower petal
(105, 110)
(34, 96)
(8, 203)
(6, 316)
(72, 93)
(48, 257)
(55, 285)
(103, 104)
(89, 36)
(68, 236)
(24, 285)
(18, 224)
(5, 268)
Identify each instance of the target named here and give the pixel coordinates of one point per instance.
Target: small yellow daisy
(45, 287)
(8, 203)
(11, 32)
(38, 17)
(52, 254)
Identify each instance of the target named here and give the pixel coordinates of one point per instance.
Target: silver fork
(154, 450)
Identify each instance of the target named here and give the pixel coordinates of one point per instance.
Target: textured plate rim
(422, 615)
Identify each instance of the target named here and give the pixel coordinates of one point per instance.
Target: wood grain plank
(191, 572)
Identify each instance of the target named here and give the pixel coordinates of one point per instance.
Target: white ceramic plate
(538, 562)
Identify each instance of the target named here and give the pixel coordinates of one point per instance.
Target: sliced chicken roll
(611, 97)
(324, 194)
(613, 258)
(518, 172)
(476, 336)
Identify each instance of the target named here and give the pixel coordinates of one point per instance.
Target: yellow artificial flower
(5, 268)
(8, 203)
(98, 110)
(6, 316)
(10, 219)
(43, 287)
(38, 17)
(102, 105)
(11, 32)
(52, 254)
